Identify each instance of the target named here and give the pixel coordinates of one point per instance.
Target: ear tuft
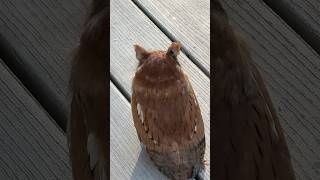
(174, 49)
(141, 53)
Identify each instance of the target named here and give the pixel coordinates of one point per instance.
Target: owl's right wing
(138, 120)
(146, 129)
(88, 159)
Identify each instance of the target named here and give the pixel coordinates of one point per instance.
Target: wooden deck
(36, 38)
(136, 27)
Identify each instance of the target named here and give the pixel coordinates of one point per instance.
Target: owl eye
(171, 53)
(174, 50)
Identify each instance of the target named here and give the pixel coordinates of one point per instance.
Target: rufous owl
(87, 130)
(248, 140)
(166, 113)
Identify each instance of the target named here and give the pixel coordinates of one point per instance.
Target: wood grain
(134, 27)
(37, 38)
(303, 16)
(185, 21)
(291, 70)
(32, 146)
(129, 160)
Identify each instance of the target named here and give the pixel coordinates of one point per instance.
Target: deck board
(32, 146)
(291, 70)
(36, 38)
(188, 22)
(134, 27)
(303, 16)
(128, 159)
(36, 41)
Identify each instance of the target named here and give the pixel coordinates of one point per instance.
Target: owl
(166, 113)
(87, 131)
(248, 139)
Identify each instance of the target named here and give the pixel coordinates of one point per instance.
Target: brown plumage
(166, 114)
(248, 141)
(87, 126)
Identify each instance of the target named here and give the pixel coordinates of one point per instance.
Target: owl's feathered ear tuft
(174, 50)
(141, 53)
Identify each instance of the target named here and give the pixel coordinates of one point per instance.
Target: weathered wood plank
(32, 146)
(303, 16)
(36, 40)
(134, 27)
(128, 159)
(186, 21)
(291, 70)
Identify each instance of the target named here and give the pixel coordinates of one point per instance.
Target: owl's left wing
(138, 125)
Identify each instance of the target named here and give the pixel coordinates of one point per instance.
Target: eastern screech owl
(87, 126)
(248, 139)
(166, 113)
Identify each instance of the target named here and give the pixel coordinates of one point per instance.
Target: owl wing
(193, 116)
(77, 143)
(88, 158)
(248, 132)
(182, 105)
(136, 119)
(144, 128)
(265, 110)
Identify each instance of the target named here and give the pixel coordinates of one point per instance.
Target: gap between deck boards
(120, 88)
(293, 19)
(9, 56)
(171, 37)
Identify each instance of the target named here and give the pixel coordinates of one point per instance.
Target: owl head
(158, 66)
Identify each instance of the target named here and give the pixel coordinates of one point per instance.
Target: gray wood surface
(129, 159)
(291, 69)
(32, 146)
(134, 27)
(37, 38)
(303, 16)
(186, 21)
